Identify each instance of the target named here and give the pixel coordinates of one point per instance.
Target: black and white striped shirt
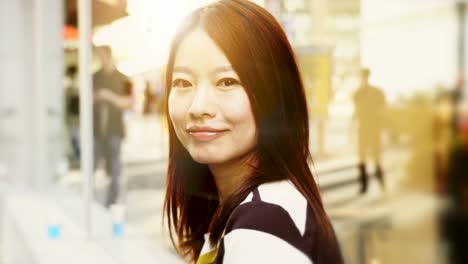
(274, 224)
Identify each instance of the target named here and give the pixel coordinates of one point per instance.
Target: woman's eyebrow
(182, 69)
(222, 69)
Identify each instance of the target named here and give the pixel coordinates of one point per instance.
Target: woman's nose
(203, 103)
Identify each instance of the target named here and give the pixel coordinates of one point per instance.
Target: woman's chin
(206, 158)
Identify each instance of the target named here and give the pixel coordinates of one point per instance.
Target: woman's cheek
(174, 108)
(237, 107)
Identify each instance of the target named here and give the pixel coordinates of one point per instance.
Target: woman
(239, 187)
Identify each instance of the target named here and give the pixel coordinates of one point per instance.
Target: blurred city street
(378, 222)
(384, 83)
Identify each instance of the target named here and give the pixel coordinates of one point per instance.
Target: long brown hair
(260, 53)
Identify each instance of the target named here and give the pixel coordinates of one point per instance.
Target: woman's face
(208, 106)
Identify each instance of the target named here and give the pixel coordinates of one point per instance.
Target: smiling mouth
(205, 134)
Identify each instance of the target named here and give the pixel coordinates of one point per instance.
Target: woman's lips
(205, 133)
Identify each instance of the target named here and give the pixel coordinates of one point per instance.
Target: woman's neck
(229, 176)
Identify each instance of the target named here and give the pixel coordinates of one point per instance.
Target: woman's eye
(226, 82)
(181, 83)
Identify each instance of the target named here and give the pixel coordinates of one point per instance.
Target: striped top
(274, 224)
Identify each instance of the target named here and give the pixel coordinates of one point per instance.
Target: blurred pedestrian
(112, 96)
(446, 129)
(420, 113)
(239, 186)
(149, 100)
(72, 114)
(369, 104)
(456, 95)
(443, 138)
(455, 219)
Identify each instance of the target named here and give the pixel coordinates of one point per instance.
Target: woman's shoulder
(272, 207)
(273, 223)
(282, 194)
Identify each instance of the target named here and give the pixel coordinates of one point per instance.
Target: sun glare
(141, 41)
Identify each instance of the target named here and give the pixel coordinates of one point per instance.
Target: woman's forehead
(198, 51)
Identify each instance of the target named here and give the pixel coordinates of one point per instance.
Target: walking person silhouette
(369, 105)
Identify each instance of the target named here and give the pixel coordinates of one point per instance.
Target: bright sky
(409, 45)
(372, 10)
